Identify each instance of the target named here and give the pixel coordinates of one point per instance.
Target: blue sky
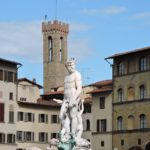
(98, 29)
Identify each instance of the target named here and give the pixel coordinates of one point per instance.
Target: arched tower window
(142, 89)
(142, 121)
(60, 50)
(120, 123)
(120, 95)
(50, 46)
(143, 63)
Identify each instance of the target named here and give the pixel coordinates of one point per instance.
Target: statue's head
(70, 65)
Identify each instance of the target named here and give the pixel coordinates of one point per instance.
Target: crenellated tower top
(55, 25)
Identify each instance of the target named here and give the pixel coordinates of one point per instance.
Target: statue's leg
(73, 115)
(62, 112)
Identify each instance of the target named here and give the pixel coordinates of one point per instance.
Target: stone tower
(54, 53)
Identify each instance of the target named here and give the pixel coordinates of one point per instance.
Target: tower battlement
(55, 25)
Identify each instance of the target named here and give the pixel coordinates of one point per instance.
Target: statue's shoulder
(77, 74)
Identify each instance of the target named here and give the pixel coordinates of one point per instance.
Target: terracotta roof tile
(101, 90)
(47, 102)
(102, 83)
(54, 92)
(87, 100)
(41, 102)
(32, 82)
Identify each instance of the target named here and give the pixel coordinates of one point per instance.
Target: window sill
(131, 131)
(11, 122)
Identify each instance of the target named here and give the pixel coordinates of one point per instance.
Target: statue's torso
(69, 86)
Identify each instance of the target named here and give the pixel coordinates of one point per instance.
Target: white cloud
(113, 10)
(143, 15)
(105, 11)
(21, 39)
(78, 27)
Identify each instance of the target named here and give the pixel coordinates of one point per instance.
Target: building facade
(102, 116)
(54, 53)
(131, 100)
(37, 117)
(8, 112)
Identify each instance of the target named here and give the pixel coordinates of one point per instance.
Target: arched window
(143, 64)
(61, 48)
(131, 93)
(120, 123)
(147, 147)
(87, 124)
(130, 122)
(121, 68)
(120, 95)
(142, 89)
(50, 48)
(142, 121)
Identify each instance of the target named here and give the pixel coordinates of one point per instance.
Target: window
(1, 112)
(87, 124)
(101, 125)
(121, 69)
(29, 117)
(54, 135)
(142, 92)
(120, 95)
(87, 109)
(11, 117)
(1, 75)
(2, 138)
(8, 76)
(10, 138)
(29, 136)
(20, 116)
(50, 49)
(102, 102)
(60, 50)
(142, 121)
(122, 142)
(10, 96)
(43, 118)
(143, 64)
(19, 136)
(54, 119)
(120, 123)
(102, 143)
(43, 137)
(139, 141)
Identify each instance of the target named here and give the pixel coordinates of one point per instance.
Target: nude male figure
(72, 91)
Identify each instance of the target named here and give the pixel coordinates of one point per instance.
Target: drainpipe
(20, 65)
